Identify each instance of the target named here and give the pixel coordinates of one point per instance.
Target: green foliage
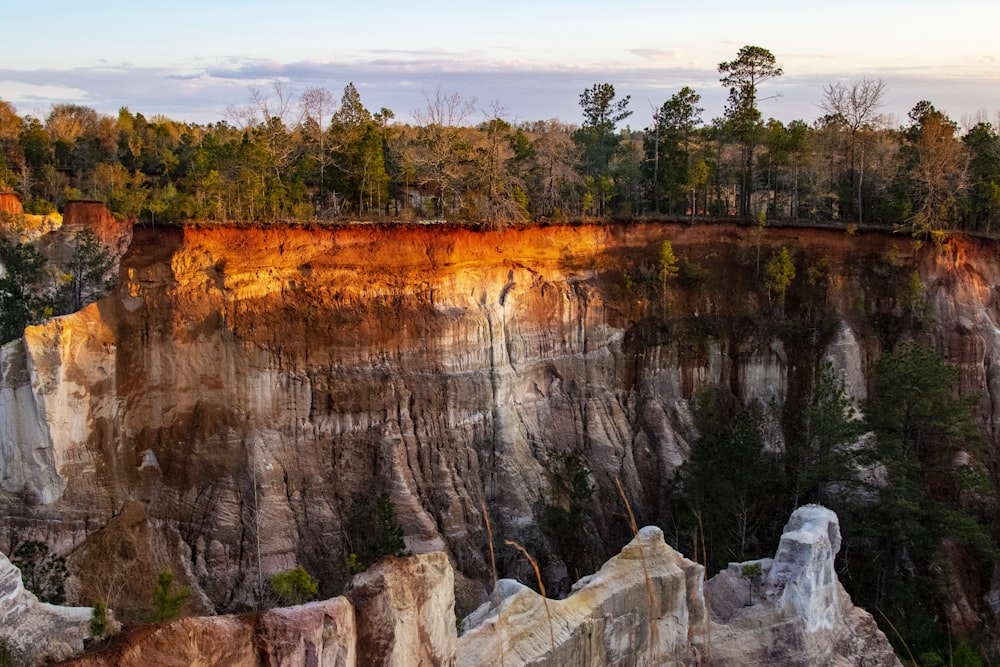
(99, 619)
(88, 272)
(729, 484)
(964, 656)
(372, 531)
(630, 284)
(913, 295)
(167, 605)
(39, 206)
(818, 460)
(753, 65)
(293, 587)
(567, 511)
(23, 297)
(44, 573)
(669, 266)
(598, 141)
(752, 573)
(928, 445)
(693, 274)
(343, 161)
(779, 273)
(667, 145)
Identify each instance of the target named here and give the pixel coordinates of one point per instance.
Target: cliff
(216, 416)
(648, 605)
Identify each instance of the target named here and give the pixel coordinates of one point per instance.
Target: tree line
(288, 157)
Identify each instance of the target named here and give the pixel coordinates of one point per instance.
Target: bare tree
(856, 107)
(499, 206)
(555, 155)
(318, 104)
(439, 150)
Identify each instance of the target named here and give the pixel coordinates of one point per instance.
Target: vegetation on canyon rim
(312, 158)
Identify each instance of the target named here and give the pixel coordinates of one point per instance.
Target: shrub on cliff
(566, 515)
(167, 605)
(293, 586)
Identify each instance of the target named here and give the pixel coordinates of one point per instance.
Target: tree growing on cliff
(934, 502)
(24, 299)
(779, 273)
(729, 485)
(372, 531)
(167, 605)
(567, 512)
(88, 272)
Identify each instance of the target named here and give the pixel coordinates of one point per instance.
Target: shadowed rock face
(646, 606)
(247, 383)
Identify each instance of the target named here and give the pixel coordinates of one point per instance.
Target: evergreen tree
(88, 272)
(23, 298)
(372, 531)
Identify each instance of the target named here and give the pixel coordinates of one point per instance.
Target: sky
(194, 61)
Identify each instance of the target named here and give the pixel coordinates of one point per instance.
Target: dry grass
(541, 588)
(496, 589)
(651, 602)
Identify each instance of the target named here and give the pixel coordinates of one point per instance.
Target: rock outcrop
(37, 631)
(646, 606)
(400, 612)
(649, 605)
(800, 615)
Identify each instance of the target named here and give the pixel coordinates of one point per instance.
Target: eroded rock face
(646, 606)
(249, 382)
(39, 632)
(403, 605)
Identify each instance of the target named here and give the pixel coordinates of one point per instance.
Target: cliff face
(247, 383)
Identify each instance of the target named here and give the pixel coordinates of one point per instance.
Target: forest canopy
(314, 155)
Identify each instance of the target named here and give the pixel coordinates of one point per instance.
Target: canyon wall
(216, 416)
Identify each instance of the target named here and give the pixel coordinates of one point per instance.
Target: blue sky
(191, 60)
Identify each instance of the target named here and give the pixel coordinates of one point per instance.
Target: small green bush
(167, 605)
(99, 619)
(293, 586)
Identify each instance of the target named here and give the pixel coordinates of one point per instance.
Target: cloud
(201, 90)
